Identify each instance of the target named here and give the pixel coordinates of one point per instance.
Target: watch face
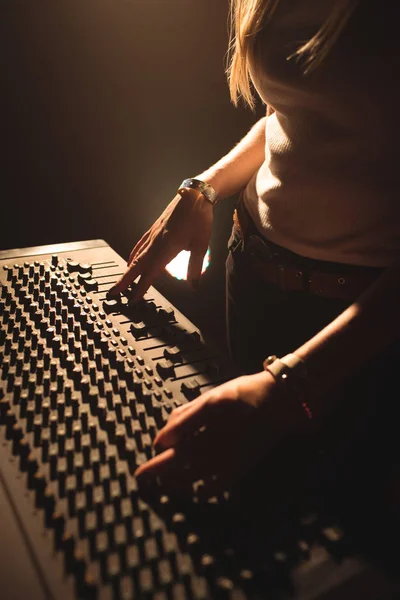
(179, 265)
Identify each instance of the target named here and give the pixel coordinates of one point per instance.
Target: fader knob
(17, 435)
(83, 276)
(166, 313)
(165, 368)
(139, 329)
(173, 353)
(72, 266)
(90, 285)
(110, 306)
(191, 389)
(85, 268)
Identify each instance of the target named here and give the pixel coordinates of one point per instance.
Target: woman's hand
(185, 224)
(220, 435)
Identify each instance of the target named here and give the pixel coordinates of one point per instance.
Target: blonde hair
(249, 17)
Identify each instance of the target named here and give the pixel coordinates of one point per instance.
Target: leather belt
(291, 272)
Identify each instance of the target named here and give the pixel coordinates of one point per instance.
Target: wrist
(215, 177)
(192, 195)
(290, 375)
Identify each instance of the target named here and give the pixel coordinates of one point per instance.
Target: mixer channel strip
(86, 382)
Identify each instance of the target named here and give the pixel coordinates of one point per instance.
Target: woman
(313, 257)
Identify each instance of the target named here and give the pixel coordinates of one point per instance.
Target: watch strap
(205, 188)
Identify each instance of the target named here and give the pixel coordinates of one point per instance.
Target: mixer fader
(86, 382)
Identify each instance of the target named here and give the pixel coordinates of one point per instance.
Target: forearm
(232, 173)
(364, 329)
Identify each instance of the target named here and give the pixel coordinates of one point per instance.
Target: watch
(206, 189)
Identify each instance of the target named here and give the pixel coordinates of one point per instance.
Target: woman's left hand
(220, 435)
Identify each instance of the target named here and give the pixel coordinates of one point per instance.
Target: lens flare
(179, 265)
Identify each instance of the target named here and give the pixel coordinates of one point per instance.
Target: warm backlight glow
(179, 265)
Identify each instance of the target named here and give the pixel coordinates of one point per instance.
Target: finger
(143, 284)
(181, 409)
(138, 247)
(178, 468)
(168, 470)
(150, 469)
(195, 266)
(197, 466)
(127, 278)
(186, 423)
(156, 259)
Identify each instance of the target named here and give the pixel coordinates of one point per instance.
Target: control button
(173, 334)
(82, 277)
(72, 266)
(39, 485)
(16, 436)
(85, 268)
(49, 333)
(104, 346)
(193, 337)
(148, 383)
(165, 368)
(120, 365)
(139, 330)
(159, 415)
(90, 285)
(23, 450)
(54, 260)
(31, 467)
(166, 314)
(173, 353)
(110, 306)
(191, 389)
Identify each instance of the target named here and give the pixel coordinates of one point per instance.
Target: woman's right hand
(185, 224)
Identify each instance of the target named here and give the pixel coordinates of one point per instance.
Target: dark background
(107, 105)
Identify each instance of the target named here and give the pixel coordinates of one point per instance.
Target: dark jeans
(359, 438)
(264, 320)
